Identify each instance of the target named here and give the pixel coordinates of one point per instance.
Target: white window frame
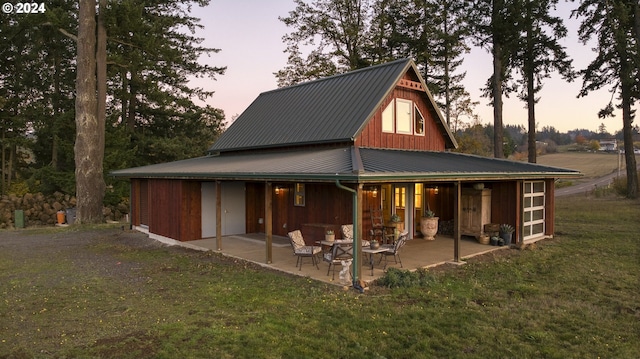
(404, 125)
(533, 203)
(417, 111)
(388, 118)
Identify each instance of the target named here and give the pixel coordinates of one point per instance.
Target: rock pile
(39, 209)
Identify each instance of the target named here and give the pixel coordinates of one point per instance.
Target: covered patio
(417, 253)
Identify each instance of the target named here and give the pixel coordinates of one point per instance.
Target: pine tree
(495, 28)
(336, 31)
(614, 25)
(538, 54)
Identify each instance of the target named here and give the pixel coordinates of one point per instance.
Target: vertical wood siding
(175, 209)
(433, 140)
(506, 203)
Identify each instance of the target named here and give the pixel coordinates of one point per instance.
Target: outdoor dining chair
(340, 254)
(302, 250)
(347, 234)
(394, 250)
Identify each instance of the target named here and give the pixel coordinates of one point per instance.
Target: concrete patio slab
(417, 253)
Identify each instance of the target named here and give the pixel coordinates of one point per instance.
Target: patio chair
(340, 253)
(379, 231)
(347, 234)
(394, 250)
(302, 250)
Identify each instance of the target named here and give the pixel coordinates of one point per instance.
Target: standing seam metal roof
(332, 109)
(337, 163)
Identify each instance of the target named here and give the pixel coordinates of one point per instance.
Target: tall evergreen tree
(336, 33)
(153, 53)
(153, 44)
(538, 54)
(37, 72)
(495, 28)
(613, 24)
(449, 31)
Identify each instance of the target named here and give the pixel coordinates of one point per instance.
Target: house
(608, 145)
(320, 154)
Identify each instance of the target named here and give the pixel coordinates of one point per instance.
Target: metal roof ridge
(347, 73)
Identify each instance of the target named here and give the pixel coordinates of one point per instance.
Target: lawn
(111, 293)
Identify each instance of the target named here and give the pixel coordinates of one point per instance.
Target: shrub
(620, 185)
(398, 278)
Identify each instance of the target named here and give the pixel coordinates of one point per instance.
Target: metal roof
(347, 163)
(329, 110)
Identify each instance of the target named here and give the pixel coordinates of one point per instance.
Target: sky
(249, 35)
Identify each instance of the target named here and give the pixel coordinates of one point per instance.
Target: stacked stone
(40, 210)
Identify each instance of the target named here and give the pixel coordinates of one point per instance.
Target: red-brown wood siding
(175, 209)
(143, 214)
(372, 135)
(139, 202)
(505, 204)
(191, 228)
(255, 207)
(135, 202)
(325, 204)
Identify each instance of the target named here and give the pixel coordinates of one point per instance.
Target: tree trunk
(447, 65)
(89, 146)
(636, 26)
(627, 131)
(101, 71)
(498, 151)
(3, 189)
(531, 90)
(497, 52)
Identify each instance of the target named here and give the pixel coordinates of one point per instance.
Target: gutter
(357, 243)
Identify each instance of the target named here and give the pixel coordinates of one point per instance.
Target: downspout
(357, 244)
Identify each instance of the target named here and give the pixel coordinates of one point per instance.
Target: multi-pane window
(533, 209)
(403, 116)
(298, 195)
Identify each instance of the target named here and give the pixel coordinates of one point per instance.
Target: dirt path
(590, 185)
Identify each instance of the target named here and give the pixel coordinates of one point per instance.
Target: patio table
(371, 252)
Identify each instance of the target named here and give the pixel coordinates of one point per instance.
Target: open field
(592, 165)
(108, 293)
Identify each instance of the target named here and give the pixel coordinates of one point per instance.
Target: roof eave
(356, 176)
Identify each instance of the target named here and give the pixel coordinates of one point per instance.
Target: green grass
(574, 296)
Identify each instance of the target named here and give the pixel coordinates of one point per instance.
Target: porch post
(456, 223)
(219, 215)
(268, 223)
(357, 225)
(357, 243)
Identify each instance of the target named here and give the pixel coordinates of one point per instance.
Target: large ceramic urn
(429, 227)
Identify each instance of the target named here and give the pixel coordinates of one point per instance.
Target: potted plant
(429, 225)
(397, 223)
(506, 232)
(329, 236)
(374, 244)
